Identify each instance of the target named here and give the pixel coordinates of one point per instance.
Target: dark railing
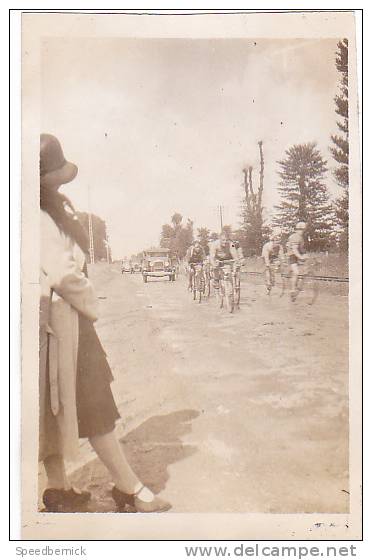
(322, 278)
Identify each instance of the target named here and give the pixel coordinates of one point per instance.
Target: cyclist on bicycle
(195, 255)
(273, 256)
(296, 256)
(223, 250)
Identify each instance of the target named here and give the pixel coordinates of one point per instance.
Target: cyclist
(273, 256)
(223, 250)
(296, 256)
(195, 255)
(239, 251)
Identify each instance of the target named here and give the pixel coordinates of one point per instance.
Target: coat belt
(53, 370)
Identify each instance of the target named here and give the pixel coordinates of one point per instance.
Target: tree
(167, 236)
(203, 236)
(304, 195)
(251, 230)
(340, 148)
(176, 236)
(184, 238)
(176, 220)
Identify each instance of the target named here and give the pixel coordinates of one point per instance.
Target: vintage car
(137, 267)
(126, 266)
(157, 262)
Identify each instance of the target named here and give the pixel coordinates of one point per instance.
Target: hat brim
(61, 176)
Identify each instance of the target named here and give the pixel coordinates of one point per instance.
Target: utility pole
(221, 219)
(91, 239)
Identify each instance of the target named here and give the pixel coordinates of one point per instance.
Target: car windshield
(156, 255)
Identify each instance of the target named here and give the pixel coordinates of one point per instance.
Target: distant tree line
(303, 192)
(302, 188)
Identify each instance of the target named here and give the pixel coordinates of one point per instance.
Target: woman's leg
(126, 482)
(56, 473)
(112, 456)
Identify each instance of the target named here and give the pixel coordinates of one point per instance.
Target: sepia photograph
(191, 201)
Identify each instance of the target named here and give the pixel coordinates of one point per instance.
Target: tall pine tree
(304, 195)
(340, 148)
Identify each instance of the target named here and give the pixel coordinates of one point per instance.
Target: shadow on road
(157, 443)
(150, 449)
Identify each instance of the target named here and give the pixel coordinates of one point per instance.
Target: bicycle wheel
(236, 288)
(221, 293)
(199, 286)
(283, 281)
(193, 284)
(237, 293)
(231, 302)
(312, 289)
(208, 286)
(230, 295)
(189, 284)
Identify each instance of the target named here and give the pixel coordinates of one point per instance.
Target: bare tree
(252, 209)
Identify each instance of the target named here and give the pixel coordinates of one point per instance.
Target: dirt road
(226, 413)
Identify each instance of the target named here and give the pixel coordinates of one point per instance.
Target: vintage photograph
(193, 272)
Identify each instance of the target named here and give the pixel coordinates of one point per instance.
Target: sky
(162, 126)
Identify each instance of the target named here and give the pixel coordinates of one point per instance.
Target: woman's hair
(62, 212)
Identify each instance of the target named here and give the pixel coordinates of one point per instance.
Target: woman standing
(74, 387)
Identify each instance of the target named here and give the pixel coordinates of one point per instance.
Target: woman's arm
(64, 274)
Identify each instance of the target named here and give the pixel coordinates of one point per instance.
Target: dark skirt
(96, 408)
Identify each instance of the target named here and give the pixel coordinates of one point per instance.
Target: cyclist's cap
(301, 225)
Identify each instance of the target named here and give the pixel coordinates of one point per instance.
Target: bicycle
(190, 273)
(271, 271)
(198, 281)
(236, 279)
(226, 284)
(307, 280)
(208, 279)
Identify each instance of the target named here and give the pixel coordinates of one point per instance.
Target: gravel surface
(243, 412)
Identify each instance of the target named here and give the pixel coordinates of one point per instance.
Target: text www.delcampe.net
(258, 551)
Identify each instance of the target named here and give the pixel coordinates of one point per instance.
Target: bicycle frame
(270, 275)
(197, 280)
(227, 283)
(236, 280)
(208, 277)
(306, 277)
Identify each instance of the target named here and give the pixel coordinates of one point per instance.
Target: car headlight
(166, 263)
